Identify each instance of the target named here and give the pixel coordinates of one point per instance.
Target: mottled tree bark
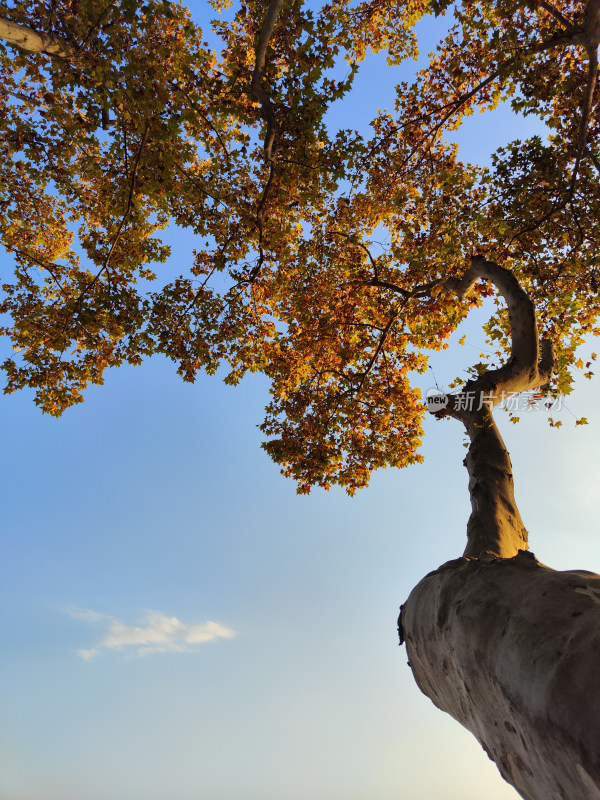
(495, 526)
(511, 649)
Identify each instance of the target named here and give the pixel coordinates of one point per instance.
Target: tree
(118, 119)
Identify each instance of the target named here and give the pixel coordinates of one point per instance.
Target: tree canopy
(118, 120)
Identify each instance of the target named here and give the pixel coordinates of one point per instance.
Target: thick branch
(524, 369)
(34, 42)
(495, 526)
(592, 25)
(587, 106)
(256, 84)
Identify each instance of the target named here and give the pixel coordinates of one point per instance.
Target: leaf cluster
(145, 126)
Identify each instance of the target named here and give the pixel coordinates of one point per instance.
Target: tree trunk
(511, 649)
(507, 646)
(495, 526)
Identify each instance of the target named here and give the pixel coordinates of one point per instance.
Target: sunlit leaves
(319, 261)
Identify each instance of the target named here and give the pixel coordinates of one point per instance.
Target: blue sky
(150, 510)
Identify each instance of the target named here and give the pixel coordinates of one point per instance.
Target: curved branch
(495, 526)
(363, 247)
(527, 367)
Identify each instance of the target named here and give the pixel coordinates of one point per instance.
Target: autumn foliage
(139, 124)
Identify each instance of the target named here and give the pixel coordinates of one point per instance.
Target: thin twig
(206, 119)
(130, 196)
(581, 149)
(554, 12)
(41, 264)
(201, 189)
(378, 350)
(96, 24)
(363, 246)
(455, 105)
(117, 235)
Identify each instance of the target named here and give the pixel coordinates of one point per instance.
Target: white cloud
(154, 633)
(86, 615)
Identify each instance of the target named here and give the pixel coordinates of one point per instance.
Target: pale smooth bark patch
(511, 649)
(32, 41)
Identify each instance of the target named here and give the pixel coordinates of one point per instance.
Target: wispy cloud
(86, 615)
(153, 633)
